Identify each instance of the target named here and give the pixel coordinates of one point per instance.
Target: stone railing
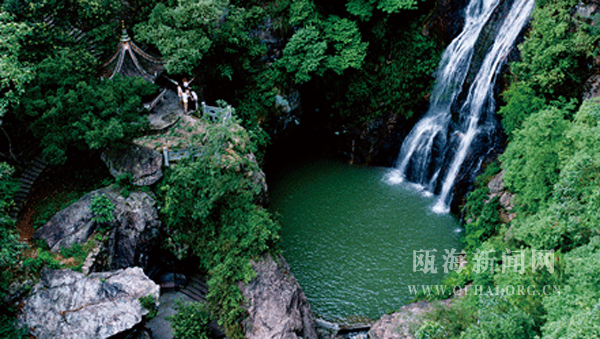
(217, 113)
(171, 156)
(151, 105)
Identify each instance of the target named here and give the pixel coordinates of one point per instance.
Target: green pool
(349, 236)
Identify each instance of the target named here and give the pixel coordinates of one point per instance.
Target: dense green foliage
(210, 204)
(102, 209)
(574, 312)
(14, 74)
(192, 320)
(92, 113)
(364, 9)
(324, 45)
(49, 75)
(183, 33)
(320, 44)
(9, 330)
(11, 247)
(396, 78)
(531, 159)
(555, 59)
(149, 303)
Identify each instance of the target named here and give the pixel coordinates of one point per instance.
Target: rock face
(446, 20)
(129, 239)
(397, 325)
(67, 304)
(497, 189)
(144, 164)
(278, 308)
(261, 179)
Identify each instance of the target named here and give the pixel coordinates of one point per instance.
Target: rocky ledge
(398, 325)
(144, 164)
(67, 304)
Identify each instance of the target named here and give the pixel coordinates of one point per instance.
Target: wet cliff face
(445, 21)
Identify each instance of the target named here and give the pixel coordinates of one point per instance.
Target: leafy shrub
(149, 304)
(43, 258)
(454, 318)
(93, 114)
(498, 319)
(486, 225)
(10, 246)
(125, 183)
(77, 252)
(9, 330)
(192, 320)
(430, 330)
(531, 160)
(102, 209)
(575, 311)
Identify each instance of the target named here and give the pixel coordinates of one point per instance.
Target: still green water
(349, 236)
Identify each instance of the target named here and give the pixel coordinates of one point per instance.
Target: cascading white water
(435, 141)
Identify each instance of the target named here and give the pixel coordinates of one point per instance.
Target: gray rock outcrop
(130, 235)
(67, 304)
(278, 308)
(398, 325)
(144, 164)
(497, 189)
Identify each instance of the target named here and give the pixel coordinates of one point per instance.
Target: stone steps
(196, 289)
(77, 35)
(27, 179)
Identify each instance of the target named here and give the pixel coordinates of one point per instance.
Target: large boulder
(278, 308)
(144, 164)
(67, 304)
(130, 236)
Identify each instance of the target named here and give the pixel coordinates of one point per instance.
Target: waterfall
(435, 150)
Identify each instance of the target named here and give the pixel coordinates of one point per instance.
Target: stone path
(159, 325)
(167, 112)
(31, 173)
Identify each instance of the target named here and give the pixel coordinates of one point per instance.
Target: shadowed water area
(349, 236)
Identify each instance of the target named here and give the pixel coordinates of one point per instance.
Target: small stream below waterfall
(349, 236)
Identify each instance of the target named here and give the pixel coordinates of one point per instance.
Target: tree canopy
(14, 74)
(71, 107)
